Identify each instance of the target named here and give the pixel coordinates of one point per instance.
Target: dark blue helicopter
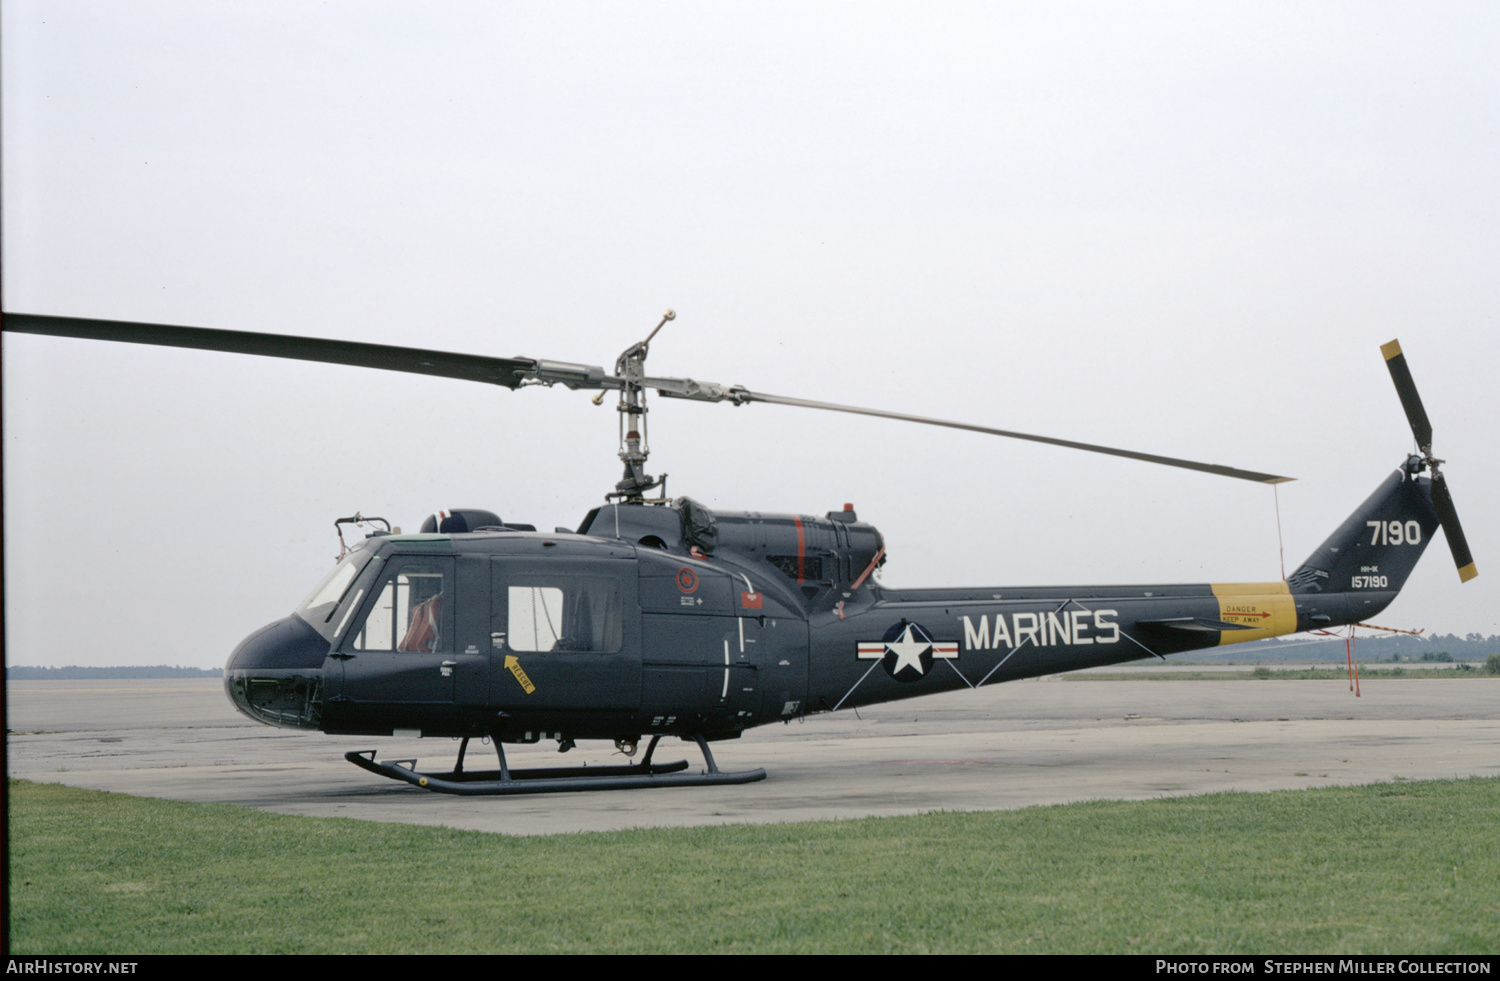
(659, 617)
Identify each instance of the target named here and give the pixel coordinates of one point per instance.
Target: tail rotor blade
(1442, 502)
(1410, 400)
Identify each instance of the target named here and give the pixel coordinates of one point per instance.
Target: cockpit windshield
(323, 600)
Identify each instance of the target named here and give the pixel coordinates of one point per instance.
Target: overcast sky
(1183, 228)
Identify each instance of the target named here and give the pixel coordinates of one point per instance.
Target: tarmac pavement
(1022, 744)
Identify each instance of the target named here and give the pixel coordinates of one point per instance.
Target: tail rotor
(1421, 429)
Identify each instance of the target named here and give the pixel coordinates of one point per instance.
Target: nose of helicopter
(275, 675)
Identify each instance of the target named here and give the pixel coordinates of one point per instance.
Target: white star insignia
(908, 651)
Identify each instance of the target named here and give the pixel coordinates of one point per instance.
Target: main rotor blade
(1442, 502)
(509, 372)
(1264, 478)
(470, 367)
(1407, 390)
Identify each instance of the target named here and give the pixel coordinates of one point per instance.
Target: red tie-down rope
(1349, 648)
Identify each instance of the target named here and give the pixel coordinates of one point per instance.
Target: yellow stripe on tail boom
(1267, 607)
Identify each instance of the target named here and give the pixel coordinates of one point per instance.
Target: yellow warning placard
(513, 665)
(1267, 607)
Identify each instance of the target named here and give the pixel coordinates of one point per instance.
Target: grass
(1412, 867)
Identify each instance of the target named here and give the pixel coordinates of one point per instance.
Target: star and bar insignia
(907, 651)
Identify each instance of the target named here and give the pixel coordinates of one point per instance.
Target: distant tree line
(1367, 647)
(1301, 647)
(74, 672)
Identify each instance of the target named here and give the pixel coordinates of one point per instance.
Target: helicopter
(660, 617)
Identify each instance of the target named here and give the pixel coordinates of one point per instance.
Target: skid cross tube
(551, 780)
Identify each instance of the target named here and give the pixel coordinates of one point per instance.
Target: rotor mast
(635, 447)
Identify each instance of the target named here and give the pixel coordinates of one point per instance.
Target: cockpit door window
(407, 615)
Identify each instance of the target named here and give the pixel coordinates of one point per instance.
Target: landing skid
(553, 780)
